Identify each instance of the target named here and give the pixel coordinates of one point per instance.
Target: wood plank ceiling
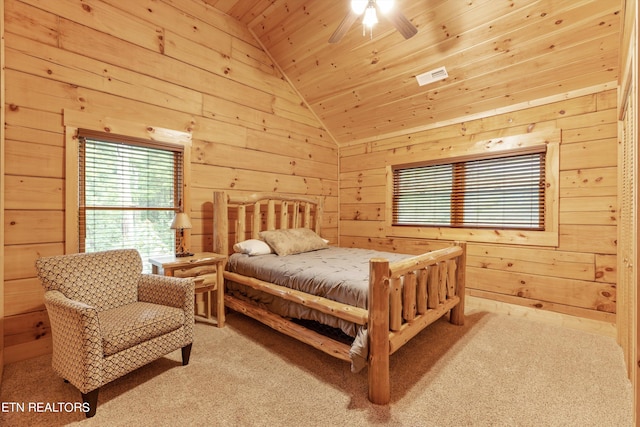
(497, 53)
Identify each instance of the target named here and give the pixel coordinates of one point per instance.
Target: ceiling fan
(370, 18)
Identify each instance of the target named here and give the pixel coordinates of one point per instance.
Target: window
(129, 191)
(505, 192)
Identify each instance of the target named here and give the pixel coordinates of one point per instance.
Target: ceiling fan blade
(402, 24)
(344, 26)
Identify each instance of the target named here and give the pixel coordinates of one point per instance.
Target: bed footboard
(404, 298)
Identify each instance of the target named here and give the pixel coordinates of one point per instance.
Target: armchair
(108, 319)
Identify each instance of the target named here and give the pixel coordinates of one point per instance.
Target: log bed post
(378, 331)
(457, 313)
(220, 223)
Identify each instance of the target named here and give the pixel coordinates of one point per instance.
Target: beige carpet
(495, 371)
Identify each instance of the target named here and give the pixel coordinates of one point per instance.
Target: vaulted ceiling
(497, 53)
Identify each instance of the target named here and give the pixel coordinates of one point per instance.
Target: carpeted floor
(496, 370)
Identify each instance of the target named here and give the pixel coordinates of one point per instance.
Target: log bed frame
(404, 296)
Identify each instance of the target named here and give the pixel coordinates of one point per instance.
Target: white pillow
(252, 247)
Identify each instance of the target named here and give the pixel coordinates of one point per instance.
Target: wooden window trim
(550, 141)
(74, 120)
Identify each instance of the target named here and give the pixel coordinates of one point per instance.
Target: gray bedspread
(339, 274)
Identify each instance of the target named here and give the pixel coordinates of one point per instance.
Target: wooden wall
(175, 64)
(628, 255)
(576, 278)
(2, 114)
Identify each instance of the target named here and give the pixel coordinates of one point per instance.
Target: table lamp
(181, 222)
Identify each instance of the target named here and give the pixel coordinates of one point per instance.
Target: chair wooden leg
(92, 399)
(186, 353)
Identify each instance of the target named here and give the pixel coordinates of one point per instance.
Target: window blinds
(504, 192)
(129, 192)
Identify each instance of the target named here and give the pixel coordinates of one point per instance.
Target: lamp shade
(181, 221)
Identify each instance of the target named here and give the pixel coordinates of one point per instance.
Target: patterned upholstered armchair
(107, 318)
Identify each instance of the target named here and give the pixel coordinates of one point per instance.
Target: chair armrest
(172, 291)
(77, 341)
(165, 290)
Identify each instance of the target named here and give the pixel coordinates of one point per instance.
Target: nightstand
(205, 268)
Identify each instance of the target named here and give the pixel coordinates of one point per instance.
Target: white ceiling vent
(432, 76)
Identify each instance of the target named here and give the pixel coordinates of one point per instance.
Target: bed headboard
(240, 217)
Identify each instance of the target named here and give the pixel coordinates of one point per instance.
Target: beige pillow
(293, 241)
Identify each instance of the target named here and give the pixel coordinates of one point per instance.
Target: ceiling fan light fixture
(358, 6)
(385, 5)
(370, 18)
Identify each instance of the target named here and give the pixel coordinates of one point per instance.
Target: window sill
(511, 237)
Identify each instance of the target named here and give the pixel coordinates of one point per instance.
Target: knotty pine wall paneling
(578, 277)
(176, 64)
(2, 161)
(628, 174)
